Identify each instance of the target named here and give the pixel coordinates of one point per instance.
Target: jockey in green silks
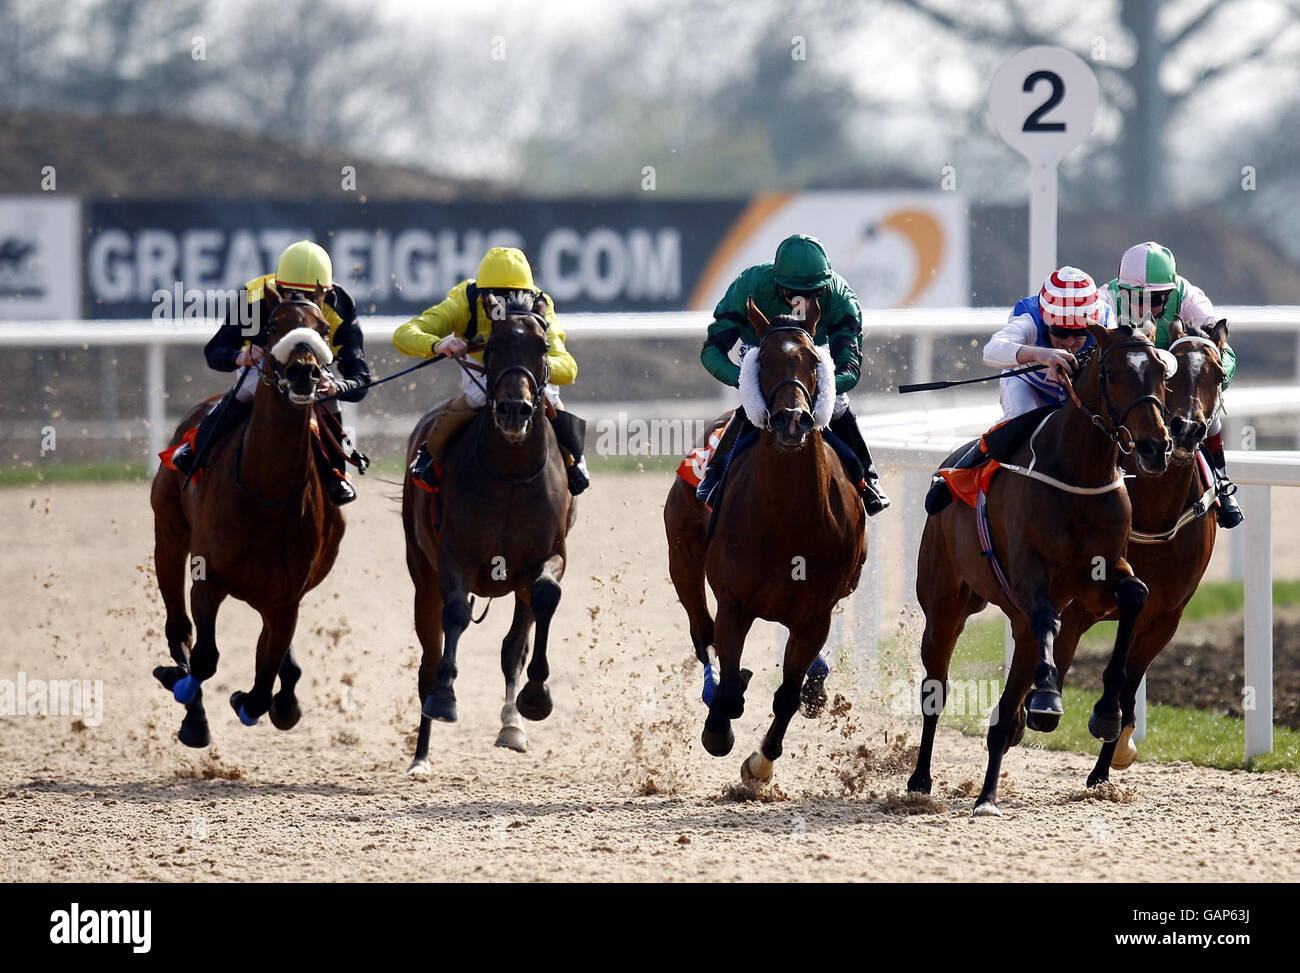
(801, 270)
(1148, 285)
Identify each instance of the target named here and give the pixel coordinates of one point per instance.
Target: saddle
(971, 474)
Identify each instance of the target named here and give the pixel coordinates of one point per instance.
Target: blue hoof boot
(237, 700)
(186, 688)
(819, 669)
(710, 684)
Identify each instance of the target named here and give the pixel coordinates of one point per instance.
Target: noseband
(769, 397)
(274, 377)
(538, 384)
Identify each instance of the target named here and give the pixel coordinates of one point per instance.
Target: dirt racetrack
(615, 784)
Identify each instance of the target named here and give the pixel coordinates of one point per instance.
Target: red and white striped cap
(1069, 299)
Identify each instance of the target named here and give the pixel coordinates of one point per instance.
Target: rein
(1117, 431)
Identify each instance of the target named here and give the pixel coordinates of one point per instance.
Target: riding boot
(873, 494)
(1230, 513)
(334, 473)
(571, 434)
(718, 461)
(939, 495)
(215, 424)
(447, 421)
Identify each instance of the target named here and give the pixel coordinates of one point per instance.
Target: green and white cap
(1149, 267)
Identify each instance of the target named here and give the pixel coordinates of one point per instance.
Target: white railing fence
(914, 439)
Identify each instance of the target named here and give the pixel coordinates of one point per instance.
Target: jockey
(801, 270)
(1148, 285)
(302, 266)
(450, 327)
(1049, 328)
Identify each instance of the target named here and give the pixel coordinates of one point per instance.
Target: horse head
(1126, 378)
(516, 362)
(297, 336)
(788, 385)
(1192, 393)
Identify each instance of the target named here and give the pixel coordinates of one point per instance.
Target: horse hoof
(1126, 750)
(1046, 702)
(281, 718)
(916, 784)
(756, 767)
(1097, 778)
(419, 768)
(237, 700)
(440, 706)
(1041, 722)
(513, 738)
(186, 688)
(986, 809)
(169, 676)
(534, 701)
(813, 694)
(1104, 728)
(194, 733)
(718, 744)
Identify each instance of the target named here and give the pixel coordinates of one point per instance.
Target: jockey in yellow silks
(460, 320)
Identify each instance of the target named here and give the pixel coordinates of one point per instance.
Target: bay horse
(1058, 520)
(257, 526)
(503, 515)
(1171, 539)
(789, 536)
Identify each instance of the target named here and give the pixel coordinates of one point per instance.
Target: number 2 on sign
(1032, 123)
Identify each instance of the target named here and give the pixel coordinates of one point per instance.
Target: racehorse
(1171, 539)
(496, 526)
(258, 526)
(1058, 524)
(789, 537)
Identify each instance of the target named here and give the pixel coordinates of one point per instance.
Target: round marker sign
(1043, 101)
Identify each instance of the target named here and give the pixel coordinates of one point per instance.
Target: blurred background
(641, 152)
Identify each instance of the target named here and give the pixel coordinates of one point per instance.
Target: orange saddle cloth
(966, 485)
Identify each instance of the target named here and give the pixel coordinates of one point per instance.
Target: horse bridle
(770, 397)
(1217, 361)
(1118, 430)
(275, 379)
(538, 384)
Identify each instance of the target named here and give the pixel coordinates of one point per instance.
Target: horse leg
(514, 647)
(1121, 752)
(732, 625)
(1007, 721)
(801, 648)
(428, 629)
(186, 682)
(687, 548)
(1106, 720)
(285, 712)
(1045, 709)
(171, 548)
(943, 626)
(534, 700)
(440, 703)
(277, 634)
